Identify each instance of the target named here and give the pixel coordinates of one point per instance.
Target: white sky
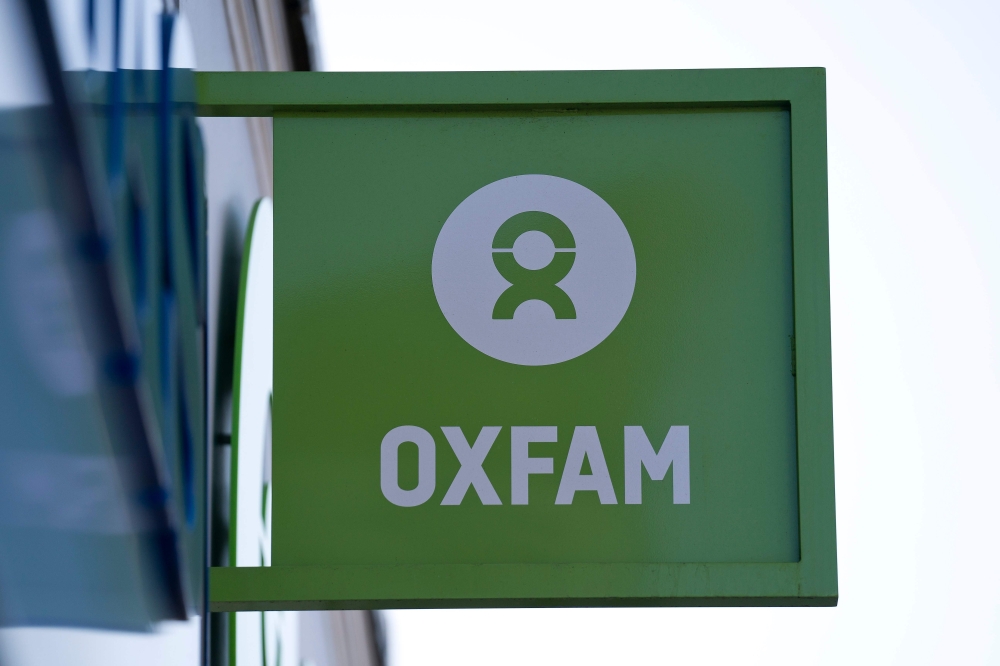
(914, 140)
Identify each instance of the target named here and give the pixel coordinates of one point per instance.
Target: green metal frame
(812, 581)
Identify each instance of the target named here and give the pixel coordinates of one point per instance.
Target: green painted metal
(719, 177)
(276, 93)
(512, 585)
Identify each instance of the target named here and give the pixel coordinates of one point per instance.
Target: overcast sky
(914, 140)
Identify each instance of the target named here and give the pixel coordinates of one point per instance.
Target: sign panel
(551, 354)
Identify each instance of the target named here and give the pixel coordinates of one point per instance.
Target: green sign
(546, 339)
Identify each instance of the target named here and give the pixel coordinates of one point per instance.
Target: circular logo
(533, 270)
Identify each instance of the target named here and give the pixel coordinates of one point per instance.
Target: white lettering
(521, 465)
(425, 466)
(639, 453)
(471, 473)
(585, 444)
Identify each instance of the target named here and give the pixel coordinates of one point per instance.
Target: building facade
(123, 221)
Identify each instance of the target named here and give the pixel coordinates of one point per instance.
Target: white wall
(172, 644)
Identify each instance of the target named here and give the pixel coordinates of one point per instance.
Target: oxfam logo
(524, 252)
(533, 270)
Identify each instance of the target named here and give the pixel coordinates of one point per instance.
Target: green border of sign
(812, 581)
